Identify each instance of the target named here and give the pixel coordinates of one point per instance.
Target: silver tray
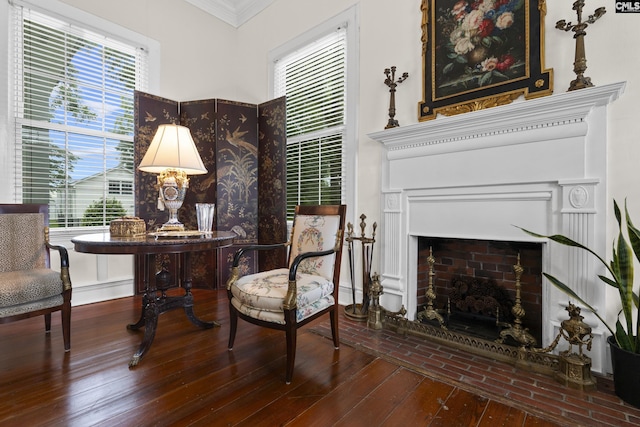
(177, 234)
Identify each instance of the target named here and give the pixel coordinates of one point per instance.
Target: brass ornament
(516, 331)
(429, 313)
(480, 104)
(575, 368)
(376, 311)
(579, 29)
(393, 83)
(127, 226)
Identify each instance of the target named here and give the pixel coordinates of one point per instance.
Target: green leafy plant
(621, 271)
(101, 212)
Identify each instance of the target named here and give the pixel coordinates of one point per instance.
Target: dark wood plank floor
(189, 378)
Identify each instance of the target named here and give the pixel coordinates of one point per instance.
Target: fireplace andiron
(377, 312)
(359, 311)
(516, 331)
(430, 313)
(580, 61)
(374, 320)
(393, 83)
(574, 369)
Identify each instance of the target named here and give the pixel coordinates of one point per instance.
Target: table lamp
(173, 155)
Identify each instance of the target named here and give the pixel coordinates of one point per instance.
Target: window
(73, 107)
(120, 187)
(313, 73)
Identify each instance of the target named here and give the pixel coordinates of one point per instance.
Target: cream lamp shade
(172, 147)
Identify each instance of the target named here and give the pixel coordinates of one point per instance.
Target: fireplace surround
(538, 164)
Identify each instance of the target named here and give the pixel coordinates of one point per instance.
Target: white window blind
(73, 104)
(313, 79)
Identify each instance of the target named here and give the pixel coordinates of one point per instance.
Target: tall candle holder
(579, 29)
(393, 83)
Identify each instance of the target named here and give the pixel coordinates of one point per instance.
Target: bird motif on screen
(236, 140)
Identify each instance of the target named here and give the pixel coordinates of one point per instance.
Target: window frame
(349, 19)
(82, 19)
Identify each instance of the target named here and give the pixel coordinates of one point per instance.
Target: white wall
(197, 50)
(203, 57)
(390, 35)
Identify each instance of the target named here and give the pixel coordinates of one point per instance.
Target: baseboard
(102, 291)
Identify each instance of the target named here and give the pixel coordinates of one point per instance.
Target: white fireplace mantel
(540, 164)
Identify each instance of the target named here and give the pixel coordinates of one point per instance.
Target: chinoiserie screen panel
(234, 139)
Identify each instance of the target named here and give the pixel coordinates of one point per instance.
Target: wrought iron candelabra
(579, 29)
(393, 83)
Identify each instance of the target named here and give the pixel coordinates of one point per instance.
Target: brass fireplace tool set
(360, 311)
(369, 309)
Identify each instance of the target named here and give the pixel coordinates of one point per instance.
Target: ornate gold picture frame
(481, 53)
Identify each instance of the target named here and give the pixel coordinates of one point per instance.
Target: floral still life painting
(482, 44)
(481, 53)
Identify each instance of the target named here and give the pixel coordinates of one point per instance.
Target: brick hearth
(500, 381)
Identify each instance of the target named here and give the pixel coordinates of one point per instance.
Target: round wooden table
(155, 301)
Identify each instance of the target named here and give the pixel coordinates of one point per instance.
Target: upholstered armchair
(28, 286)
(307, 288)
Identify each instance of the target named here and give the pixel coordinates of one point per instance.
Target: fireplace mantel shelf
(493, 126)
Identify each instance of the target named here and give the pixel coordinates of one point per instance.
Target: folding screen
(243, 146)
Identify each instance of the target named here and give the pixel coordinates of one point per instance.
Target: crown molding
(233, 12)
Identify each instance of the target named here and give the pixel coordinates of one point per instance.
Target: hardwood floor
(189, 378)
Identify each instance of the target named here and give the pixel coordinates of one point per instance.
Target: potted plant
(624, 341)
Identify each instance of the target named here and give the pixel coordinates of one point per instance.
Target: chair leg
(233, 325)
(333, 315)
(47, 323)
(291, 334)
(66, 326)
(291, 352)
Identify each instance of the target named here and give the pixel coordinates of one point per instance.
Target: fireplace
(539, 164)
(474, 282)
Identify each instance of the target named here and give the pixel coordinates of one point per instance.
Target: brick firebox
(484, 260)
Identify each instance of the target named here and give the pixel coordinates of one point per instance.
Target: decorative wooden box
(127, 226)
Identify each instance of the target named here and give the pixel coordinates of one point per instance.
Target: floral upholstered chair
(290, 297)
(28, 286)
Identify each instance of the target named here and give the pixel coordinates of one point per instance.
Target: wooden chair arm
(64, 261)
(241, 251)
(64, 255)
(292, 290)
(235, 270)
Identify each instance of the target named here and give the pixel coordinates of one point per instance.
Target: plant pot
(626, 373)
